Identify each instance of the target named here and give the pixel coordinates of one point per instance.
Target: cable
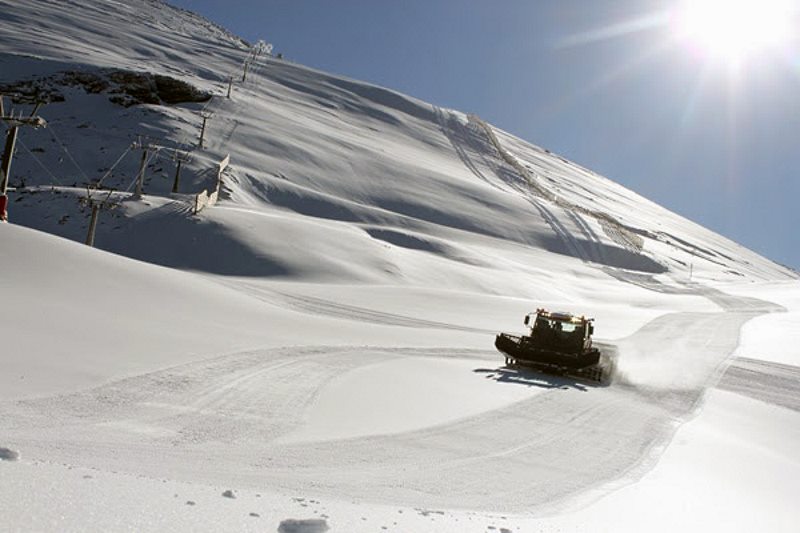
(110, 170)
(135, 178)
(35, 158)
(63, 147)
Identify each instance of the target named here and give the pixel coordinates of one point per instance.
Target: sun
(733, 30)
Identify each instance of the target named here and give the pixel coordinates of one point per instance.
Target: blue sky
(602, 82)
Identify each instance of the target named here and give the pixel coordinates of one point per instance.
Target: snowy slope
(394, 169)
(320, 341)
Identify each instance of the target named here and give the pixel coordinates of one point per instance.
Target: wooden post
(206, 115)
(244, 72)
(203, 130)
(92, 224)
(180, 157)
(177, 176)
(230, 85)
(140, 177)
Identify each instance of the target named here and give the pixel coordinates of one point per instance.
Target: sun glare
(734, 29)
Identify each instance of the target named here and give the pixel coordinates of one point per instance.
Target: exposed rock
(124, 87)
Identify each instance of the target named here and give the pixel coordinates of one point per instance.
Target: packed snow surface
(315, 351)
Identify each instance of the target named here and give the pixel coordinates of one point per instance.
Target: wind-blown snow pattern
(319, 343)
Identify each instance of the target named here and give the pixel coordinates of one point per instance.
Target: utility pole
(206, 115)
(97, 206)
(180, 158)
(146, 149)
(92, 224)
(8, 153)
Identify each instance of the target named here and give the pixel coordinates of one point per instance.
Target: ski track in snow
(464, 141)
(553, 449)
(574, 248)
(769, 382)
(362, 314)
(325, 307)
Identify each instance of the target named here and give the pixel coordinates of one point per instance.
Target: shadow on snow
(531, 378)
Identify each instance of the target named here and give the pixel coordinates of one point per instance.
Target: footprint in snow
(313, 525)
(7, 454)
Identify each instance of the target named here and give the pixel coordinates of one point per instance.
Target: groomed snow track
(239, 413)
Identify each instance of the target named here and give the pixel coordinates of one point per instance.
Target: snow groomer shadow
(529, 377)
